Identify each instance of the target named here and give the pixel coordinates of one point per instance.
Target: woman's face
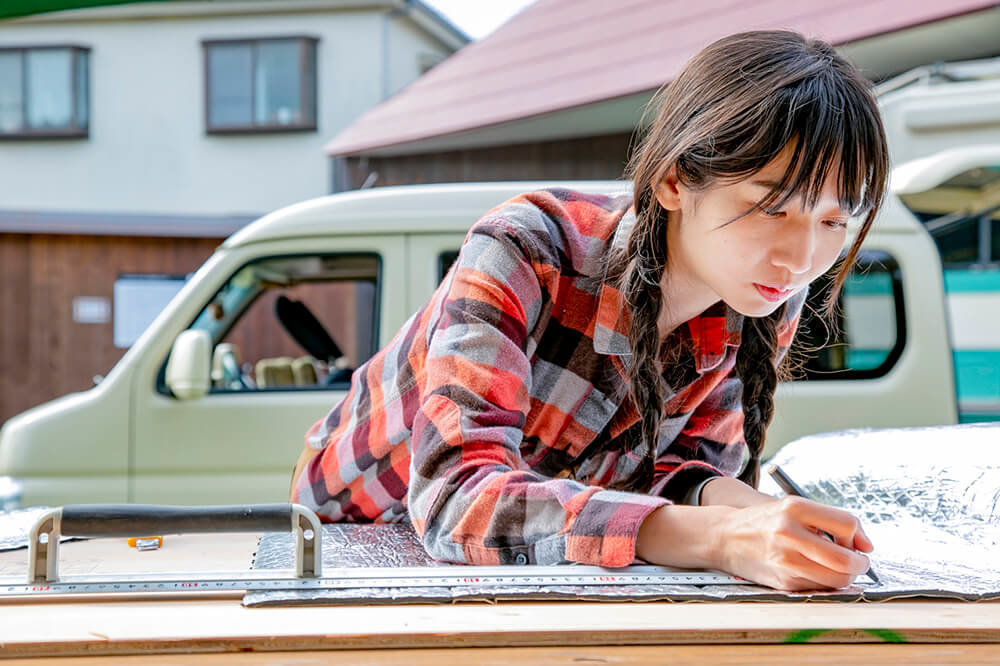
(756, 262)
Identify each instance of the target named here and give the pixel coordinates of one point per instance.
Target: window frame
(445, 259)
(308, 46)
(984, 222)
(161, 375)
(74, 131)
(891, 266)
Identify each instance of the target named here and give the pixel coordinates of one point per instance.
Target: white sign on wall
(91, 310)
(138, 300)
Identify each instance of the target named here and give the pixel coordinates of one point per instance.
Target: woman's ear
(668, 190)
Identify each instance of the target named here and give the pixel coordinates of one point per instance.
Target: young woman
(587, 380)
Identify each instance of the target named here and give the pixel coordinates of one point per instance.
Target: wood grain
(43, 352)
(626, 655)
(589, 158)
(221, 625)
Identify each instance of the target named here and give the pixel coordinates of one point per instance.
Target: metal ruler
(43, 577)
(415, 577)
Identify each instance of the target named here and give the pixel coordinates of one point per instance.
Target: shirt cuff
(693, 496)
(677, 485)
(605, 531)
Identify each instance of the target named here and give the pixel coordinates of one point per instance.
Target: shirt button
(521, 558)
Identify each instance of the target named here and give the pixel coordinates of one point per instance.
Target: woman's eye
(835, 224)
(771, 213)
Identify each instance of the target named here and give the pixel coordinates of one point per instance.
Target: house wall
(407, 51)
(148, 150)
(44, 353)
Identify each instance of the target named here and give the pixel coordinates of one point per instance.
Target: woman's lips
(771, 294)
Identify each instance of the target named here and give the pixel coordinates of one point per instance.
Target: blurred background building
(133, 138)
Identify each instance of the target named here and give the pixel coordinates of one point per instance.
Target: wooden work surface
(186, 628)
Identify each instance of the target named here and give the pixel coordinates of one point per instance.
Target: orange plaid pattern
(498, 415)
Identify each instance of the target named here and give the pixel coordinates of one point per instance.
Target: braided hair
(755, 366)
(639, 280)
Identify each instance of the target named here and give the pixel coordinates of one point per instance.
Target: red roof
(557, 54)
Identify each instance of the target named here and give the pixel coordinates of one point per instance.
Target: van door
(288, 324)
(431, 255)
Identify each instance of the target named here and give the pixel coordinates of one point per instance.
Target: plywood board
(123, 627)
(49, 627)
(626, 655)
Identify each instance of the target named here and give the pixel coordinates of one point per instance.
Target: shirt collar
(711, 332)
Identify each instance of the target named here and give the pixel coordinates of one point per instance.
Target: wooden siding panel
(43, 352)
(15, 302)
(587, 158)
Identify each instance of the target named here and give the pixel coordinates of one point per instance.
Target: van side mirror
(188, 367)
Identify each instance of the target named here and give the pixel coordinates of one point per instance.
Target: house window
(43, 92)
(258, 85)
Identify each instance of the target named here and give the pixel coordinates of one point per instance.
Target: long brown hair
(736, 105)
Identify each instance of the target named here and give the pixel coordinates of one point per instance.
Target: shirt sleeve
(471, 497)
(712, 443)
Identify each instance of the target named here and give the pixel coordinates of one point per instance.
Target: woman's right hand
(778, 544)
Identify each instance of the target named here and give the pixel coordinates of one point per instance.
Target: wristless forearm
(683, 536)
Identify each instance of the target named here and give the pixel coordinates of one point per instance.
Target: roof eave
(205, 9)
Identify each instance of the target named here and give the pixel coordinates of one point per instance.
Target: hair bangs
(830, 134)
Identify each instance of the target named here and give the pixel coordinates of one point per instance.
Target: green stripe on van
(867, 284)
(977, 374)
(967, 280)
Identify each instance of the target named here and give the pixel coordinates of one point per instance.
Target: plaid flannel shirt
(493, 418)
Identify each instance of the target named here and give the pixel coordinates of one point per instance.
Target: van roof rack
(943, 72)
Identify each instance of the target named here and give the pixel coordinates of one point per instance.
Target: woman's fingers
(863, 543)
(830, 556)
(802, 573)
(844, 527)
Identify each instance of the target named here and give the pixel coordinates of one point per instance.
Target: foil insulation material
(15, 526)
(929, 499)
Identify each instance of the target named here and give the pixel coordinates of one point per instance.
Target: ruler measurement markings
(255, 581)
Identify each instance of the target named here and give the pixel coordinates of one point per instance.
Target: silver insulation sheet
(15, 527)
(929, 498)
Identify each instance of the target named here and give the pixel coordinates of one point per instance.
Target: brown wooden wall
(43, 352)
(589, 158)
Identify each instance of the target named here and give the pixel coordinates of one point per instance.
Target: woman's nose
(794, 246)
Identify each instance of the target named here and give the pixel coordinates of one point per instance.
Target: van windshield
(232, 299)
(292, 322)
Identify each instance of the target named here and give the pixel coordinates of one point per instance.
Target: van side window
(868, 331)
(963, 215)
(445, 260)
(293, 323)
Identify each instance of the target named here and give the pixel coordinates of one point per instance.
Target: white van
(251, 366)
